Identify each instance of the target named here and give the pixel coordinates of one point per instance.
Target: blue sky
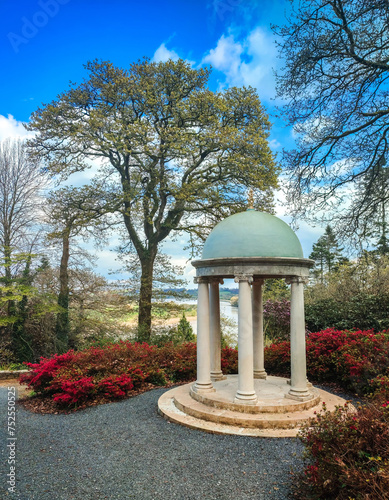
(44, 45)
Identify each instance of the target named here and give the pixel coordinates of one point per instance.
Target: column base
(299, 395)
(248, 398)
(215, 376)
(201, 388)
(260, 374)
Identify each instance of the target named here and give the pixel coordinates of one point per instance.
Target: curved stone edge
(168, 409)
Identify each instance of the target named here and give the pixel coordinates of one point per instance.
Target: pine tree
(327, 254)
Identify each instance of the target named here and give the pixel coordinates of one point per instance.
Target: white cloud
(10, 127)
(226, 57)
(274, 144)
(246, 62)
(163, 54)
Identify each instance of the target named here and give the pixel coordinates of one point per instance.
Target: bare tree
(20, 182)
(335, 80)
(74, 212)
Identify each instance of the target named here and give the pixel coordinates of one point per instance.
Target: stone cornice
(253, 260)
(261, 267)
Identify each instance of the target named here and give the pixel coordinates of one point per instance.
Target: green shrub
(362, 310)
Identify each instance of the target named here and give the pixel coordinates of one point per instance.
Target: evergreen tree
(327, 254)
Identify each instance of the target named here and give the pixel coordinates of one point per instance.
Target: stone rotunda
(249, 247)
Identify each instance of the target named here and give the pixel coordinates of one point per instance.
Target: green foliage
(180, 334)
(17, 297)
(275, 289)
(227, 293)
(7, 356)
(12, 366)
(184, 330)
(356, 295)
(326, 254)
(179, 157)
(368, 311)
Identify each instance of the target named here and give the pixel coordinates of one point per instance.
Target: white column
(214, 326)
(259, 368)
(203, 382)
(246, 392)
(298, 380)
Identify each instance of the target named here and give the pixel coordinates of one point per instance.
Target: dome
(252, 234)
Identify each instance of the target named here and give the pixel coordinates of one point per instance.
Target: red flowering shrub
(348, 453)
(116, 386)
(277, 358)
(178, 362)
(350, 359)
(73, 391)
(113, 371)
(229, 360)
(41, 373)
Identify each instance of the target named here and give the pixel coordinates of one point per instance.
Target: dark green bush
(362, 310)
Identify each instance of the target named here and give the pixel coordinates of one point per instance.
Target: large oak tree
(179, 156)
(335, 81)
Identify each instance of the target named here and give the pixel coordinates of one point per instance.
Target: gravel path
(127, 451)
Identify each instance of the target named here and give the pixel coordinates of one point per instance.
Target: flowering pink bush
(351, 359)
(73, 391)
(115, 371)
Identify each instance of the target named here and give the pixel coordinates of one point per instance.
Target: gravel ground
(127, 451)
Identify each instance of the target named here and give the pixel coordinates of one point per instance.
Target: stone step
(178, 406)
(188, 405)
(272, 394)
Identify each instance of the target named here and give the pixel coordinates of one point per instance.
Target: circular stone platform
(273, 416)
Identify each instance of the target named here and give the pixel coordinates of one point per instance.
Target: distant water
(226, 311)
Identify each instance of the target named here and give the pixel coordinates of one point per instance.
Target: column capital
(297, 279)
(201, 279)
(216, 279)
(243, 277)
(259, 281)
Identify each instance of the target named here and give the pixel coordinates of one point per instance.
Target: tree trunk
(62, 325)
(10, 304)
(145, 294)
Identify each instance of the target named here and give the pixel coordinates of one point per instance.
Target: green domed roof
(252, 234)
